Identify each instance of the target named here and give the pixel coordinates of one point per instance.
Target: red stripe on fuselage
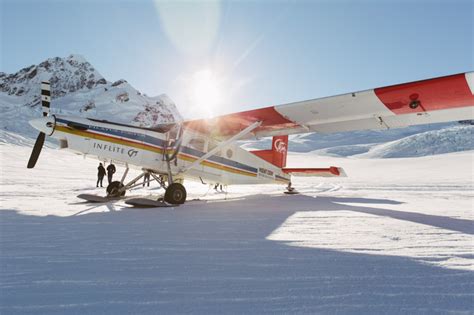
(433, 94)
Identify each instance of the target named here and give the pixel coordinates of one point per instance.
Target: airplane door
(152, 155)
(194, 147)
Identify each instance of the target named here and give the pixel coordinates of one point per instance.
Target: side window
(197, 143)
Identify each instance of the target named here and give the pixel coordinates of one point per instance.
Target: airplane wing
(442, 99)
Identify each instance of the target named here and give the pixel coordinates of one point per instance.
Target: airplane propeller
(44, 124)
(36, 150)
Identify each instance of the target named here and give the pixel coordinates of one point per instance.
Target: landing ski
(96, 198)
(147, 203)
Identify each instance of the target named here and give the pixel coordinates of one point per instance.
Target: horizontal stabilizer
(332, 171)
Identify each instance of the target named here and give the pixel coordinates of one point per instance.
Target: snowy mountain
(447, 140)
(77, 89)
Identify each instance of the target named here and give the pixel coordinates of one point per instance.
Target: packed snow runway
(395, 236)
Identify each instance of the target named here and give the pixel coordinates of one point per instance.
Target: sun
(206, 90)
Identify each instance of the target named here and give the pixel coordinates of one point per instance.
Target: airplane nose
(43, 124)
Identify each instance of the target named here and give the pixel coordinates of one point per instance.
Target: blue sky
(259, 53)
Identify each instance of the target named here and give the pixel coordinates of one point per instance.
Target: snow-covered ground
(396, 236)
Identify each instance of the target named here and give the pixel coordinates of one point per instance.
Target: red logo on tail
(280, 146)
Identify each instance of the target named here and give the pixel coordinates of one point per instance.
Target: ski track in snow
(396, 236)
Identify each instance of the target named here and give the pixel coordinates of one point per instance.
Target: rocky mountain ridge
(77, 89)
(66, 75)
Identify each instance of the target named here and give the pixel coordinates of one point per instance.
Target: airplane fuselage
(145, 148)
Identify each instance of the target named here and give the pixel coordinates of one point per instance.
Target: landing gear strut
(175, 193)
(118, 188)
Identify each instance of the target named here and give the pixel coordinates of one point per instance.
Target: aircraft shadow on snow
(308, 203)
(218, 252)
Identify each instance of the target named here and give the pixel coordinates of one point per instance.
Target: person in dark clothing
(100, 175)
(216, 186)
(110, 172)
(146, 179)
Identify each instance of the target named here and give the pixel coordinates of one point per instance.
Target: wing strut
(234, 138)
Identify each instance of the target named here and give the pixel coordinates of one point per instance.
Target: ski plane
(206, 150)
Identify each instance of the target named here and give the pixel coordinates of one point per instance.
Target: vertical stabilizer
(277, 154)
(279, 150)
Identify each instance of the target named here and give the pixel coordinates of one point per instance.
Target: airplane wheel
(175, 194)
(113, 189)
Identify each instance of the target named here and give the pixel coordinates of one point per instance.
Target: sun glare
(206, 91)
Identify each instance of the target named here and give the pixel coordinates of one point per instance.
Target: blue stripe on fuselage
(147, 139)
(117, 132)
(218, 159)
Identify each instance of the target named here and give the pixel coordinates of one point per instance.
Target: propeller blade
(36, 150)
(45, 97)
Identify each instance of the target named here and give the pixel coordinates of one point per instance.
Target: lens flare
(190, 25)
(206, 90)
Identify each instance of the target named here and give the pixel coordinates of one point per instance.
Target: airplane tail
(277, 154)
